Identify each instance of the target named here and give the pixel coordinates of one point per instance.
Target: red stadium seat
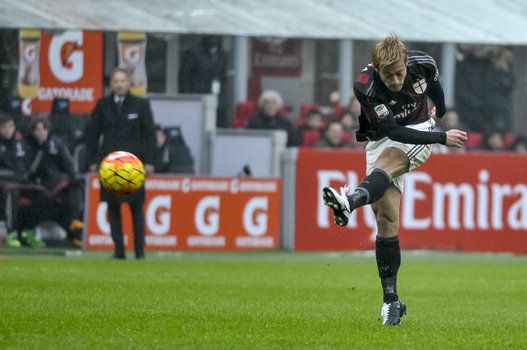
(338, 109)
(239, 123)
(246, 109)
(474, 140)
(347, 138)
(244, 112)
(310, 138)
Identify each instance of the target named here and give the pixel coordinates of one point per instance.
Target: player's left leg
(388, 253)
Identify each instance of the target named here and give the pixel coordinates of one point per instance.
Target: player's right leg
(339, 203)
(385, 164)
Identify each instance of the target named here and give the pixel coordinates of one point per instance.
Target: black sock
(388, 254)
(371, 189)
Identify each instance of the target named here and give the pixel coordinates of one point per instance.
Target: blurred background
(271, 76)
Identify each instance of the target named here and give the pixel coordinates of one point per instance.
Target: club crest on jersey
(382, 111)
(419, 86)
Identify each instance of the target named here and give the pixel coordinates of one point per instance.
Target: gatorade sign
(71, 66)
(194, 213)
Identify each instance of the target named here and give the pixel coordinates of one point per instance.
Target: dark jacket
(131, 131)
(173, 159)
(199, 67)
(51, 162)
(14, 159)
(262, 121)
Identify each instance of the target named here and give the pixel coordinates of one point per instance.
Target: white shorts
(417, 154)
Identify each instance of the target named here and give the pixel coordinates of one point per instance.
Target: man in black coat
(203, 70)
(125, 123)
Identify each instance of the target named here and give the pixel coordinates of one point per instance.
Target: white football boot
(392, 312)
(339, 203)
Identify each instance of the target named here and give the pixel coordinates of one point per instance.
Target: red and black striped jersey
(407, 106)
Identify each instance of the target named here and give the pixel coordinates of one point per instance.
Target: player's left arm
(435, 92)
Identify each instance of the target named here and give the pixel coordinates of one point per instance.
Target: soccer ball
(121, 173)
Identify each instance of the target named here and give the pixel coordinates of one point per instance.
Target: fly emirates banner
(468, 202)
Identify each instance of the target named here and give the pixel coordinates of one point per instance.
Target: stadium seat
(338, 109)
(474, 140)
(508, 139)
(348, 138)
(310, 138)
(244, 112)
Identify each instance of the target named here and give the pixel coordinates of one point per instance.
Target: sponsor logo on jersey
(420, 86)
(382, 111)
(407, 110)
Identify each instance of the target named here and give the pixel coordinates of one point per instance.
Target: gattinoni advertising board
(195, 213)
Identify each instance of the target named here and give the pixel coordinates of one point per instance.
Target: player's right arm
(386, 125)
(455, 138)
(377, 120)
(382, 123)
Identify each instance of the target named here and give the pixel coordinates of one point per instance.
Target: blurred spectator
(349, 121)
(172, 154)
(53, 167)
(333, 136)
(312, 126)
(354, 107)
(519, 145)
(267, 116)
(22, 205)
(314, 120)
(203, 70)
(501, 84)
(484, 86)
(451, 121)
(16, 111)
(494, 141)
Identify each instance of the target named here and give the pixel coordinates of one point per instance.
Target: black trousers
(138, 220)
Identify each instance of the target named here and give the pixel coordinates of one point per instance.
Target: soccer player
(393, 93)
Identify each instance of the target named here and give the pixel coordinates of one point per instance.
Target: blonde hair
(389, 51)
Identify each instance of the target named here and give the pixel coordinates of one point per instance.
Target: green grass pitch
(274, 300)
